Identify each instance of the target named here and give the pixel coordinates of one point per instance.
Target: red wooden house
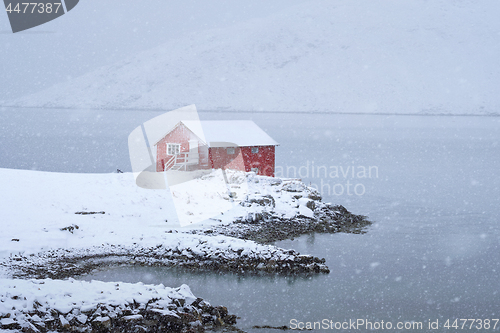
(229, 144)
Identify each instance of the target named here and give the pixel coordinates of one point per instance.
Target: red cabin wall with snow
(244, 159)
(180, 135)
(249, 158)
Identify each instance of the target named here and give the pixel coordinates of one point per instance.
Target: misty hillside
(409, 56)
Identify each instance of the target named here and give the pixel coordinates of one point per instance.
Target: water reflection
(173, 276)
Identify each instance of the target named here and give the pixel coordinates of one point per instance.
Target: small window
(173, 149)
(231, 151)
(255, 150)
(256, 170)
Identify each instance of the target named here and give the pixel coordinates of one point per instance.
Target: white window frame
(255, 150)
(231, 150)
(173, 148)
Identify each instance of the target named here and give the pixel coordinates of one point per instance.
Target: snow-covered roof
(243, 133)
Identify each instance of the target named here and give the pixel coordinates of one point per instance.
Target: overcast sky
(97, 33)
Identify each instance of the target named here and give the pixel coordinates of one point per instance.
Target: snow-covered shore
(50, 218)
(59, 225)
(71, 305)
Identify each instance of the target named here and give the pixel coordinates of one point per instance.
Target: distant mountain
(411, 56)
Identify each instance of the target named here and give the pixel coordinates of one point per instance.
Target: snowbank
(48, 305)
(36, 206)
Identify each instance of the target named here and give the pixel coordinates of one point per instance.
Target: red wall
(244, 159)
(179, 135)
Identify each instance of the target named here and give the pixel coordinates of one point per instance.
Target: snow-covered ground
(35, 303)
(210, 199)
(46, 211)
(409, 56)
(51, 217)
(37, 205)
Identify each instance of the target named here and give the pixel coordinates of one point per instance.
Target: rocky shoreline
(263, 228)
(279, 209)
(180, 317)
(273, 210)
(143, 317)
(267, 228)
(62, 264)
(148, 309)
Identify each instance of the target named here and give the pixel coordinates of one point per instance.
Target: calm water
(434, 193)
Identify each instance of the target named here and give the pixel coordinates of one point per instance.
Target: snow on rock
(305, 211)
(267, 227)
(189, 251)
(275, 209)
(245, 194)
(48, 305)
(284, 198)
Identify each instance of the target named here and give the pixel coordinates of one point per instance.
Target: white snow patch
(24, 296)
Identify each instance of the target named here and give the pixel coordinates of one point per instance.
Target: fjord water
(433, 252)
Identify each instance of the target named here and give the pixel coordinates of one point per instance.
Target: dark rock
(268, 228)
(10, 325)
(294, 187)
(30, 329)
(264, 200)
(315, 196)
(71, 228)
(89, 213)
(311, 205)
